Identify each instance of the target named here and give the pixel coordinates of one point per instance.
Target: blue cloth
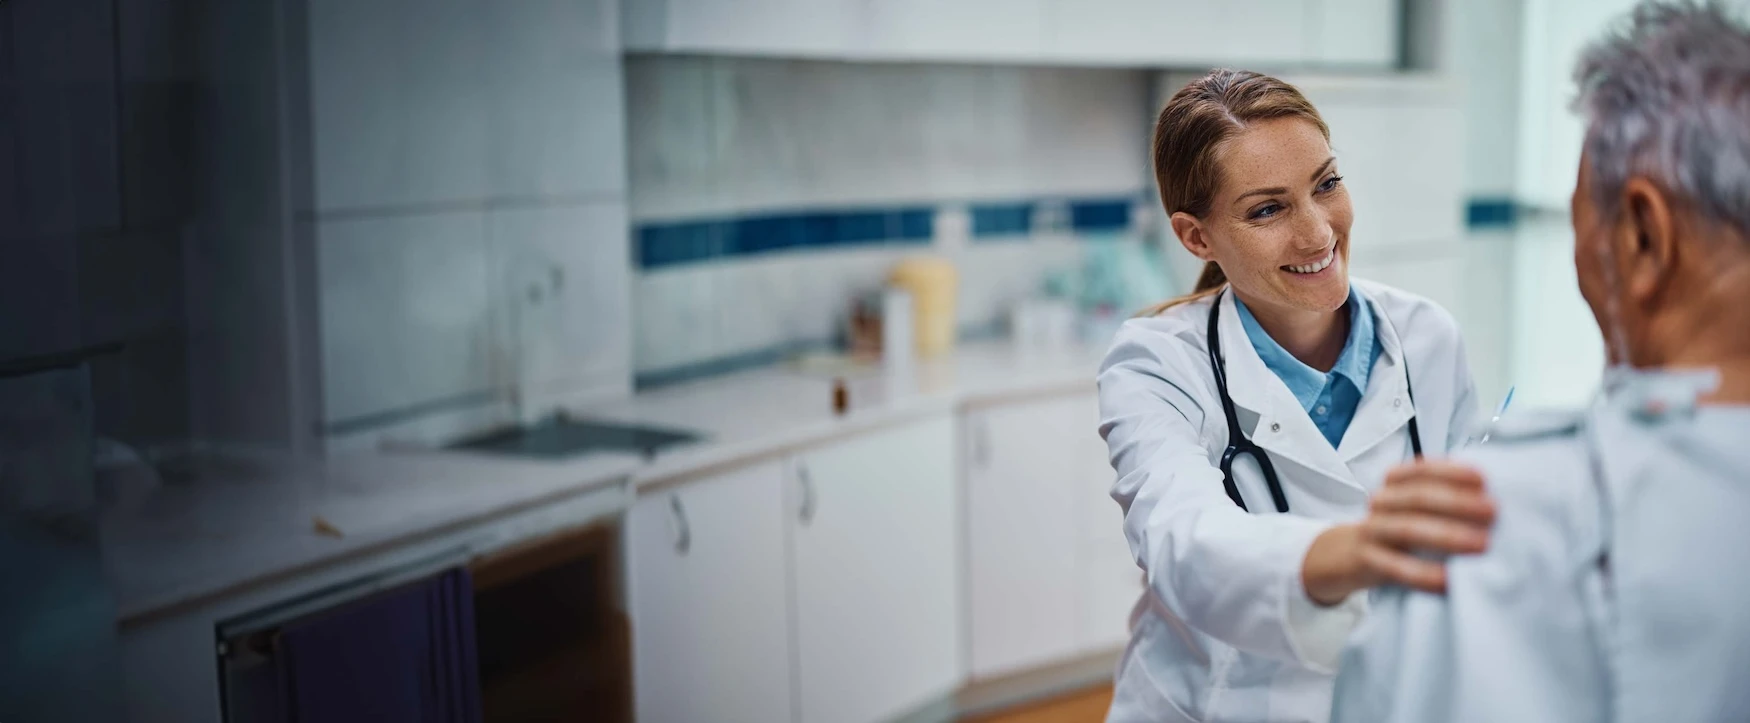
(1329, 398)
(404, 655)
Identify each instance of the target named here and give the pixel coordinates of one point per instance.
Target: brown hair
(1189, 134)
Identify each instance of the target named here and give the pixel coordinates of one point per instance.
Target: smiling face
(1279, 221)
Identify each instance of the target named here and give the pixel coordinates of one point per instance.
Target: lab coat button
(1397, 402)
(1275, 426)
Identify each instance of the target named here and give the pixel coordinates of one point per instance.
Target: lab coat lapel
(1283, 429)
(1386, 406)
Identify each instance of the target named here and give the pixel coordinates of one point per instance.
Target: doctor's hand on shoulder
(1424, 506)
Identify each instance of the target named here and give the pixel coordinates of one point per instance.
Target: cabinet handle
(807, 484)
(683, 540)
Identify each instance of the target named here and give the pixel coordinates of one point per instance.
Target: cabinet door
(876, 557)
(955, 30)
(1023, 493)
(805, 28)
(709, 605)
(1181, 32)
(1356, 32)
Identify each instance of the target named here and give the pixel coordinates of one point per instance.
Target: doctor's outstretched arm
(1266, 584)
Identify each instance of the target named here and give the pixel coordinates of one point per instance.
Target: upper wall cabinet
(990, 31)
(1270, 33)
(1132, 33)
(785, 28)
(1360, 33)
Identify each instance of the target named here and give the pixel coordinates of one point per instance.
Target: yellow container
(934, 284)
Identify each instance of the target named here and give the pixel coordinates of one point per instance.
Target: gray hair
(1666, 95)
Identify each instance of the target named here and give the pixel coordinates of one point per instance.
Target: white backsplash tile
(398, 113)
(553, 98)
(759, 303)
(711, 136)
(776, 300)
(406, 312)
(561, 282)
(456, 101)
(764, 301)
(675, 317)
(1005, 29)
(723, 137)
(996, 276)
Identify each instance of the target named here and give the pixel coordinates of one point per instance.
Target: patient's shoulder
(1539, 471)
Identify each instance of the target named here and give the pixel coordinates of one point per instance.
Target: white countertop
(233, 524)
(771, 410)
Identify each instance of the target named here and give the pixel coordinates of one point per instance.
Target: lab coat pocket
(1137, 698)
(1158, 680)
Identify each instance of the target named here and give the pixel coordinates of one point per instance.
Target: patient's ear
(1648, 247)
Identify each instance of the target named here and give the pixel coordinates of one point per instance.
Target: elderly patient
(1614, 586)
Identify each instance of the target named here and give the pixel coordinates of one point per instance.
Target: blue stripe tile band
(1100, 214)
(1002, 219)
(668, 243)
(1490, 213)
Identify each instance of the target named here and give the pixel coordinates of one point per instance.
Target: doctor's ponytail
(1188, 136)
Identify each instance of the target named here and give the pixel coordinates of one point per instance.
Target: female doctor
(1253, 422)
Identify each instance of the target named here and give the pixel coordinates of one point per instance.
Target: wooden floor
(1088, 706)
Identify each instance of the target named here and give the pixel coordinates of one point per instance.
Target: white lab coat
(1224, 630)
(1608, 592)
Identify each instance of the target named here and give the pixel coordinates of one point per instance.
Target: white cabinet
(1022, 534)
(823, 588)
(789, 28)
(1269, 33)
(875, 530)
(1049, 573)
(1356, 32)
(709, 600)
(956, 30)
(1158, 33)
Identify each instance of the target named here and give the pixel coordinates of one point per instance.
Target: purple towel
(407, 655)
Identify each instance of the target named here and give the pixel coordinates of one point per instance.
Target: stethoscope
(1237, 441)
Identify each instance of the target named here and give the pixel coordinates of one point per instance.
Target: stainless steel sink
(561, 436)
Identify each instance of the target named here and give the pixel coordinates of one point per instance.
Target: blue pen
(1498, 413)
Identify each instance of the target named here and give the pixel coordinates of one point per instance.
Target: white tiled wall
(721, 135)
(406, 311)
(1488, 40)
(1186, 32)
(674, 312)
(1558, 351)
(556, 268)
(716, 137)
(1460, 275)
(397, 111)
(1550, 134)
(474, 100)
(470, 210)
(994, 276)
(1398, 143)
